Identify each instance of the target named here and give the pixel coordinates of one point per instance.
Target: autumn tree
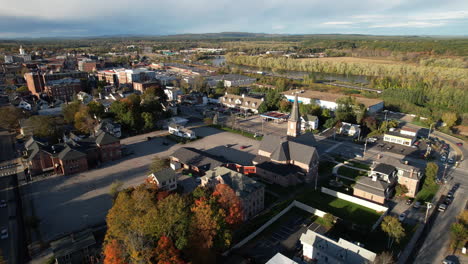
(449, 118)
(285, 106)
(83, 120)
(230, 202)
(401, 189)
(393, 228)
(384, 258)
(166, 253)
(69, 110)
(113, 253)
(10, 117)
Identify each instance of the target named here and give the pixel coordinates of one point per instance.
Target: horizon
(53, 18)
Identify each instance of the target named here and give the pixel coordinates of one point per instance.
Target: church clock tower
(294, 121)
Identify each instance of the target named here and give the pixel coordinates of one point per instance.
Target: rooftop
(331, 97)
(241, 184)
(398, 134)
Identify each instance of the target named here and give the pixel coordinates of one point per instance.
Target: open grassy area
(343, 209)
(236, 131)
(278, 189)
(351, 173)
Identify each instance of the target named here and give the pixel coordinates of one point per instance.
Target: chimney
(411, 173)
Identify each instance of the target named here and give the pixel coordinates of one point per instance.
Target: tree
(230, 202)
(262, 108)
(10, 117)
(431, 173)
(220, 85)
(449, 118)
(22, 89)
(115, 188)
(83, 120)
(285, 106)
(401, 189)
(113, 253)
(393, 228)
(148, 120)
(167, 253)
(208, 121)
(370, 122)
(70, 110)
(328, 220)
(459, 233)
(96, 109)
(204, 225)
(344, 111)
(158, 164)
(384, 258)
(46, 126)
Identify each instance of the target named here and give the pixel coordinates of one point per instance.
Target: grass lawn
(338, 207)
(351, 173)
(276, 188)
(236, 131)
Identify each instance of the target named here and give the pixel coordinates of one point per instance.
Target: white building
(281, 259)
(350, 129)
(409, 131)
(328, 100)
(399, 138)
(172, 93)
(181, 131)
(165, 179)
(326, 250)
(309, 122)
(241, 102)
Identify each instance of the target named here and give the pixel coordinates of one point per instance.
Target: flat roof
(331, 97)
(275, 115)
(398, 134)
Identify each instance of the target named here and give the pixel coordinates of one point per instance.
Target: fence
(276, 217)
(349, 198)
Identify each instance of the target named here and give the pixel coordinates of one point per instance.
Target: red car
(243, 147)
(459, 144)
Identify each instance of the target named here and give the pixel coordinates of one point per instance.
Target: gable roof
(164, 175)
(384, 168)
(300, 149)
(241, 184)
(198, 158)
(70, 154)
(103, 138)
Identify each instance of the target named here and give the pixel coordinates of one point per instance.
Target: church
(291, 159)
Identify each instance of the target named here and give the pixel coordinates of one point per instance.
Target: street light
(429, 206)
(365, 148)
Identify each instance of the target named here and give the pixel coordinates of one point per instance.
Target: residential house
(84, 97)
(288, 160)
(407, 175)
(250, 192)
(322, 249)
(379, 186)
(241, 102)
(74, 155)
(181, 131)
(195, 160)
(166, 179)
(309, 122)
(108, 126)
(349, 129)
(76, 248)
(328, 100)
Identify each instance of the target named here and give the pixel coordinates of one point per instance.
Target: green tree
(401, 189)
(449, 118)
(393, 228)
(431, 173)
(262, 108)
(285, 106)
(220, 85)
(10, 117)
(96, 109)
(148, 120)
(459, 233)
(49, 127)
(70, 110)
(22, 89)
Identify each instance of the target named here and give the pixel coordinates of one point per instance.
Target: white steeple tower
(21, 50)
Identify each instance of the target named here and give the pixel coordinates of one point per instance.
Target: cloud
(32, 18)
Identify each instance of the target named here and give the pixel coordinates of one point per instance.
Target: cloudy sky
(40, 18)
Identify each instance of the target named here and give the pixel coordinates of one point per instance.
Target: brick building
(142, 86)
(36, 81)
(63, 89)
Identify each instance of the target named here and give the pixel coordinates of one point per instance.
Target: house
(181, 131)
(288, 160)
(322, 249)
(379, 186)
(328, 100)
(195, 160)
(165, 179)
(349, 129)
(108, 126)
(407, 175)
(76, 248)
(309, 122)
(399, 138)
(172, 93)
(250, 192)
(281, 259)
(84, 97)
(74, 155)
(241, 102)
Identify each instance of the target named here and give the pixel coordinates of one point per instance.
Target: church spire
(294, 121)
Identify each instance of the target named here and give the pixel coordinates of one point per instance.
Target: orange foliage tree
(166, 253)
(113, 253)
(204, 224)
(230, 202)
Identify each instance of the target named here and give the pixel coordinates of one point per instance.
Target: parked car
(416, 143)
(409, 201)
(451, 161)
(389, 147)
(450, 194)
(243, 147)
(448, 201)
(372, 139)
(402, 217)
(459, 144)
(455, 187)
(4, 233)
(3, 204)
(443, 159)
(416, 205)
(442, 207)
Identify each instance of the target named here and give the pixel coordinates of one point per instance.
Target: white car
(442, 207)
(4, 233)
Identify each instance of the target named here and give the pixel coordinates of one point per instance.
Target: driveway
(69, 203)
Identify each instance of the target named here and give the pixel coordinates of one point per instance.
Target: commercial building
(63, 89)
(328, 100)
(250, 192)
(142, 86)
(37, 81)
(241, 102)
(322, 249)
(87, 65)
(399, 137)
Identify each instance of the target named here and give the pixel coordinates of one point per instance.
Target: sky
(68, 18)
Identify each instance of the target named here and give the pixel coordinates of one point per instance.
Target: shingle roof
(103, 138)
(299, 149)
(384, 168)
(240, 183)
(198, 158)
(70, 154)
(164, 175)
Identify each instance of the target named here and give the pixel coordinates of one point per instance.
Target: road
(436, 245)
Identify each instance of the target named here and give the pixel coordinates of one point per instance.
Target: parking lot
(68, 203)
(281, 236)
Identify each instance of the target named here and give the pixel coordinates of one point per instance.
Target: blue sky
(43, 18)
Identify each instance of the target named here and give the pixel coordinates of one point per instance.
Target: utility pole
(430, 128)
(429, 206)
(365, 148)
